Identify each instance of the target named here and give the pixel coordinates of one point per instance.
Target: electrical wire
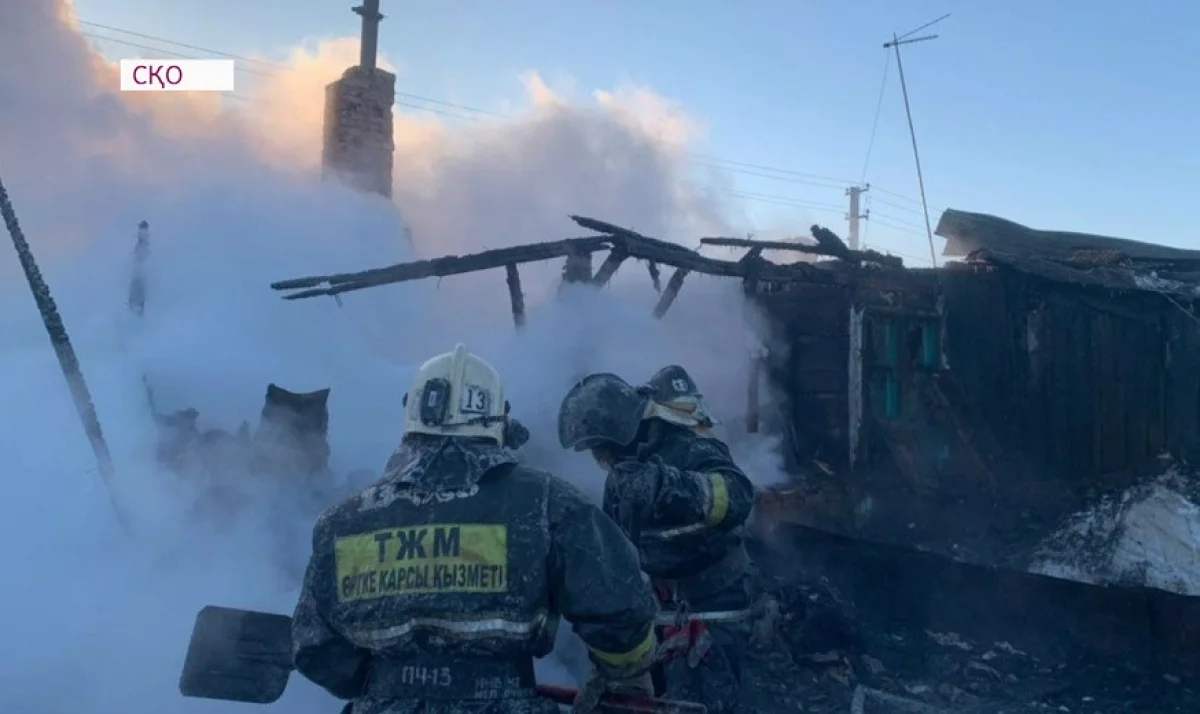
(266, 68)
(743, 167)
(887, 64)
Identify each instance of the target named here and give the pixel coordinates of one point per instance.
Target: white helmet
(456, 394)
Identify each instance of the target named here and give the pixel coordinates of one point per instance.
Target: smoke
(234, 202)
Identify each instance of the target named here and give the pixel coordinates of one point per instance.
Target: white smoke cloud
(95, 621)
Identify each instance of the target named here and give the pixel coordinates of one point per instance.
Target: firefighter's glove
(634, 487)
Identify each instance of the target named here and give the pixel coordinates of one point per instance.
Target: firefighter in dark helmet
(681, 499)
(435, 588)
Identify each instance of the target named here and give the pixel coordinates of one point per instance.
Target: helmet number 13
(474, 400)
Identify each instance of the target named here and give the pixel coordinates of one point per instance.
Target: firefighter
(434, 589)
(682, 500)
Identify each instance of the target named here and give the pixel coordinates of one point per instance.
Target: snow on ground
(96, 621)
(1148, 535)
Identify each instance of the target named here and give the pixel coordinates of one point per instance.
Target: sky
(1068, 116)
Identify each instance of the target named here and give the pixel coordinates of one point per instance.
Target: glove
(633, 486)
(590, 694)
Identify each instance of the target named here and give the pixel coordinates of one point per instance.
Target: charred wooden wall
(1052, 391)
(1086, 382)
(811, 346)
(808, 363)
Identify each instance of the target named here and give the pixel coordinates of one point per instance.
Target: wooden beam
(437, 267)
(668, 296)
(752, 260)
(515, 296)
(634, 244)
(752, 394)
(854, 256)
(609, 267)
(578, 267)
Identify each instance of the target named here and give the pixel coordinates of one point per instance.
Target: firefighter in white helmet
(434, 589)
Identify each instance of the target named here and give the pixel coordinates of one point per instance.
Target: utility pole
(855, 192)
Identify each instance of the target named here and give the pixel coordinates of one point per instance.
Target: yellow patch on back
(434, 558)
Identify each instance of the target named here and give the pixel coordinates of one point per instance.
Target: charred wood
(437, 267)
(827, 248)
(515, 295)
(578, 267)
(609, 267)
(668, 296)
(634, 244)
(752, 395)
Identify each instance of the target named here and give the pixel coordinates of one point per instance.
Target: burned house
(978, 404)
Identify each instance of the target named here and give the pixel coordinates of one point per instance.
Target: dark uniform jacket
(682, 500)
(436, 586)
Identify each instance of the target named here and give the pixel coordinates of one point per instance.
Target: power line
(272, 69)
(887, 64)
(752, 169)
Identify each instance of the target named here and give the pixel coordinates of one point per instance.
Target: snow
(96, 621)
(1148, 535)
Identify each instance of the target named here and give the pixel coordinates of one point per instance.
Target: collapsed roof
(1078, 258)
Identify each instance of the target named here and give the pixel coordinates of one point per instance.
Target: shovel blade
(238, 656)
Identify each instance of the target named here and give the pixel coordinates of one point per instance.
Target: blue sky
(1059, 114)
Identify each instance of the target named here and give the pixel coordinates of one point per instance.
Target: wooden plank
(815, 318)
(1157, 438)
(1139, 354)
(1083, 361)
(1106, 391)
(821, 352)
(437, 267)
(608, 268)
(1119, 418)
(1099, 370)
(670, 292)
(857, 256)
(1038, 431)
(1061, 413)
(820, 381)
(1182, 383)
(515, 296)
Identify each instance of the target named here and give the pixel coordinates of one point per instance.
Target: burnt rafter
(828, 244)
(626, 243)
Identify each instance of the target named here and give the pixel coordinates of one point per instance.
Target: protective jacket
(433, 589)
(682, 500)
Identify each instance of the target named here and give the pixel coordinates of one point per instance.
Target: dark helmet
(672, 382)
(678, 399)
(600, 409)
